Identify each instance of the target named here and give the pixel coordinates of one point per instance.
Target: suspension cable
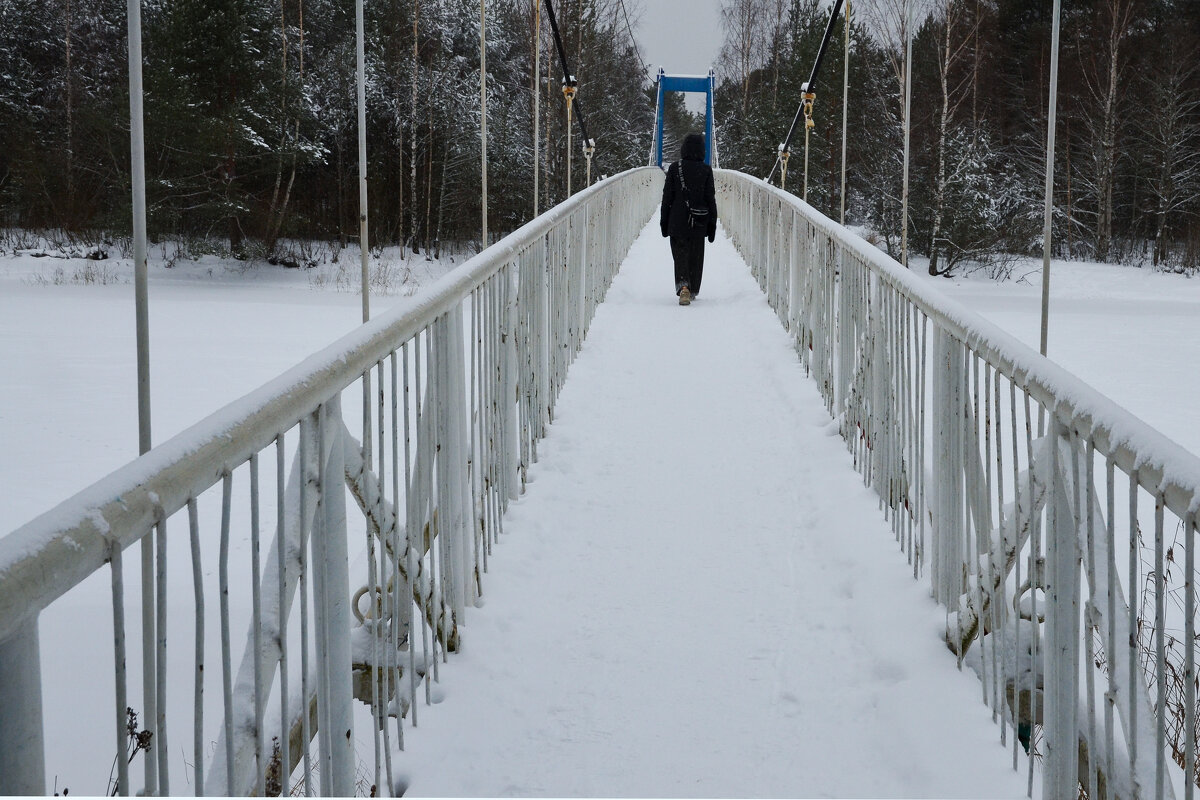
(808, 88)
(633, 38)
(570, 88)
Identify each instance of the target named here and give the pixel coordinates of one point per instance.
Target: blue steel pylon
(702, 84)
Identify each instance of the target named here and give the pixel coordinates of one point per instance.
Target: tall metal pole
(137, 165)
(807, 131)
(845, 105)
(363, 242)
(907, 129)
(568, 146)
(1047, 221)
(483, 113)
(537, 97)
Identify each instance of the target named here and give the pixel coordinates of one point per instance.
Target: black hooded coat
(701, 192)
(689, 188)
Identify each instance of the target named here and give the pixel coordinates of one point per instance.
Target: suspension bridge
(423, 543)
(1021, 498)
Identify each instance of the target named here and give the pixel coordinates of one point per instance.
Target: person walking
(689, 215)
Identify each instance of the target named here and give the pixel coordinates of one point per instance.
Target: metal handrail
(1159, 461)
(497, 335)
(938, 408)
(73, 540)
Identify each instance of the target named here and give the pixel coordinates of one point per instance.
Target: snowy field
(1132, 333)
(698, 638)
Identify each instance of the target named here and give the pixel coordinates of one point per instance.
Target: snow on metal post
(331, 578)
(947, 476)
(483, 116)
(363, 241)
(22, 752)
(1062, 633)
(1052, 115)
(137, 163)
(508, 338)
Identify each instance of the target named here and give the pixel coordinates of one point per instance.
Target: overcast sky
(684, 36)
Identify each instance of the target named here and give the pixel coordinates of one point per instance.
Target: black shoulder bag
(697, 217)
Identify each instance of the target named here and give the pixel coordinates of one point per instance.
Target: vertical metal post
(363, 241)
(537, 97)
(1047, 221)
(137, 152)
(331, 576)
(483, 115)
(137, 163)
(907, 130)
(845, 105)
(807, 131)
(710, 150)
(1062, 634)
(22, 754)
(659, 113)
(569, 153)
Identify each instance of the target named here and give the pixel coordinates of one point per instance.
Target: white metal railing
(1000, 473)
(457, 391)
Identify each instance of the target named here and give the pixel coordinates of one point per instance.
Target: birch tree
(1170, 140)
(1104, 63)
(954, 48)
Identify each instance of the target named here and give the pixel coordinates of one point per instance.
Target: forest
(1127, 156)
(251, 127)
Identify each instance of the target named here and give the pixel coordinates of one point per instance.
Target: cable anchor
(569, 89)
(589, 149)
(809, 97)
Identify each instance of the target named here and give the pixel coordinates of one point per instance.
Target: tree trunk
(437, 237)
(272, 227)
(1106, 179)
(341, 199)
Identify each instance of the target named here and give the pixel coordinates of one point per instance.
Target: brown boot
(685, 297)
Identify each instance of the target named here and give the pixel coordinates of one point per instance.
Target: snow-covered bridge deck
(697, 596)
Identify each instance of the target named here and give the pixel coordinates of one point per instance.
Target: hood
(693, 147)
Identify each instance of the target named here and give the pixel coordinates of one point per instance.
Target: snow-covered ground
(739, 623)
(1132, 333)
(219, 328)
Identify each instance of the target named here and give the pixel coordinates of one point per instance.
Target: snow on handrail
(477, 362)
(1018, 533)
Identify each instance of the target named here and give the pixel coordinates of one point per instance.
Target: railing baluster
(1189, 646)
(198, 677)
(1110, 643)
(122, 696)
(260, 765)
(226, 656)
(1160, 647)
(1035, 576)
(306, 449)
(282, 556)
(1088, 499)
(1134, 628)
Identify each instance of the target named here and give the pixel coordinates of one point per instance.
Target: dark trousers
(688, 252)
